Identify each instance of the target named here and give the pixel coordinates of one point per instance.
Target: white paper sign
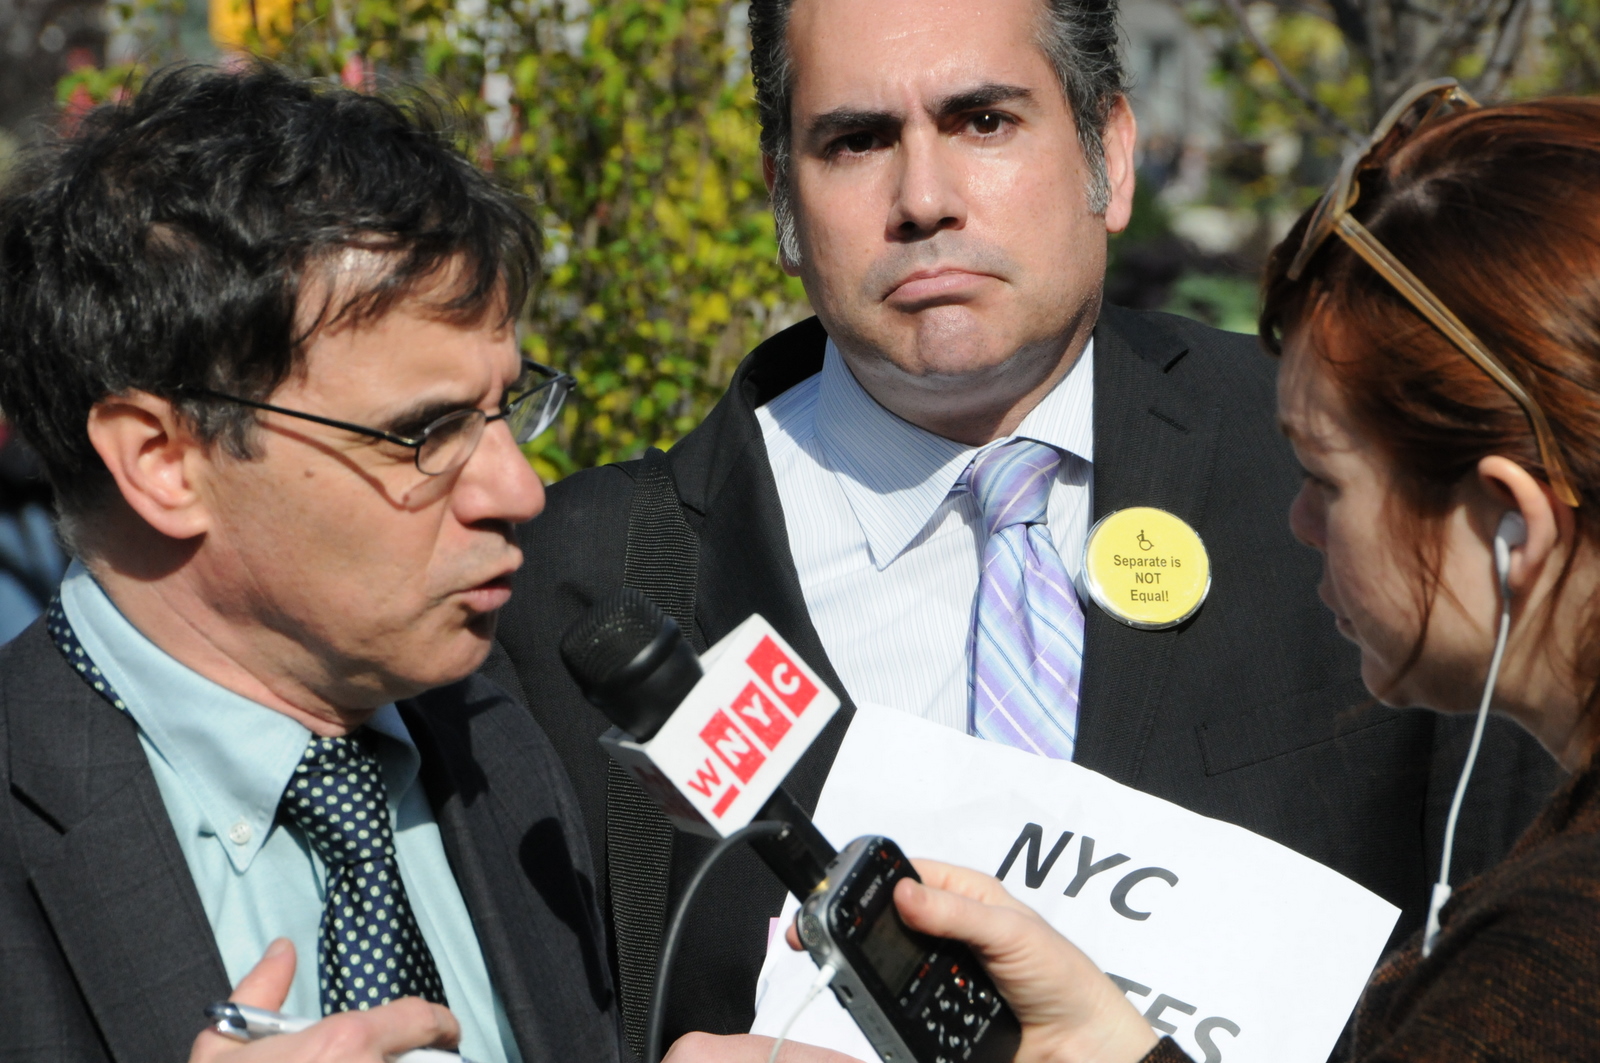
(1240, 948)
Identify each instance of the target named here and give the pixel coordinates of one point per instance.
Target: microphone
(631, 661)
(710, 738)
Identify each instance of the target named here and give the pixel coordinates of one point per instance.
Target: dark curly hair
(171, 241)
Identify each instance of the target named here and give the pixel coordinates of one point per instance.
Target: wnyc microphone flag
(732, 741)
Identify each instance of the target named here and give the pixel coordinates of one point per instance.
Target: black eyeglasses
(530, 407)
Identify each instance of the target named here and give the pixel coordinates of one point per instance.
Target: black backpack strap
(663, 557)
(663, 561)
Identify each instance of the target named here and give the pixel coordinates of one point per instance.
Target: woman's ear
(156, 460)
(1551, 524)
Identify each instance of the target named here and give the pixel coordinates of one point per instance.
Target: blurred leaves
(1354, 59)
(1289, 80)
(1573, 50)
(1357, 58)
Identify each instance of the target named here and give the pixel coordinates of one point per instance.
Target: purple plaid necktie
(1027, 629)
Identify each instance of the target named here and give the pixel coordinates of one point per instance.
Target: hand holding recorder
(1069, 1010)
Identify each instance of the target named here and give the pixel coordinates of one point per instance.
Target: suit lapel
(753, 572)
(1154, 445)
(105, 865)
(480, 792)
(472, 840)
(747, 567)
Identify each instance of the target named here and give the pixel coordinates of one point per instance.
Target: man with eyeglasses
(260, 334)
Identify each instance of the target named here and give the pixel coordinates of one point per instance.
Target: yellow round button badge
(1146, 568)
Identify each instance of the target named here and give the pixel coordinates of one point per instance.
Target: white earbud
(1513, 531)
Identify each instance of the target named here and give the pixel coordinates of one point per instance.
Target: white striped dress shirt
(887, 539)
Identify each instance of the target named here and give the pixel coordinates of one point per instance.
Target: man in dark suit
(260, 335)
(944, 179)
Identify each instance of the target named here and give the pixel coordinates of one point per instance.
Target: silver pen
(241, 1022)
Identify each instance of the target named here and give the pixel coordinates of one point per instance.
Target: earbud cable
(824, 978)
(1441, 889)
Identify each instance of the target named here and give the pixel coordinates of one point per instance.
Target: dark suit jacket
(105, 951)
(1244, 713)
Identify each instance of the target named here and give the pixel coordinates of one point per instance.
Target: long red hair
(1498, 212)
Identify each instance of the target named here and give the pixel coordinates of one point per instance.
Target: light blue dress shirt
(888, 541)
(222, 762)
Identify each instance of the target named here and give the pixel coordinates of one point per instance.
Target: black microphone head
(610, 634)
(631, 661)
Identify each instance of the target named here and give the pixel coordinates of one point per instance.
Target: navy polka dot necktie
(66, 640)
(371, 951)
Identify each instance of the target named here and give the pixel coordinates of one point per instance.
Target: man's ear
(769, 174)
(156, 460)
(1119, 139)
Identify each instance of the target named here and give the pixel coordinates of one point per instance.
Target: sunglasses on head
(1421, 106)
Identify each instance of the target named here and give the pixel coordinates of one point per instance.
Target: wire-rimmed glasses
(530, 406)
(1423, 104)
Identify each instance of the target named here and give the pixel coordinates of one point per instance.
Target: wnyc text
(740, 735)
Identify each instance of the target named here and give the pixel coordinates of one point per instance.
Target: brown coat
(1515, 975)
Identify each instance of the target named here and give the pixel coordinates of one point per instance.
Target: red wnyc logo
(779, 672)
(742, 734)
(738, 750)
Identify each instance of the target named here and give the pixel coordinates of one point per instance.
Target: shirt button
(240, 833)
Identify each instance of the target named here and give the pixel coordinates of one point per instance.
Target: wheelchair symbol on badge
(1144, 544)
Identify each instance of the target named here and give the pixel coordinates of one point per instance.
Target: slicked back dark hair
(1078, 38)
(174, 240)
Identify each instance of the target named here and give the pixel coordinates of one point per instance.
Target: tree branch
(1462, 28)
(1324, 114)
(1506, 49)
(1352, 22)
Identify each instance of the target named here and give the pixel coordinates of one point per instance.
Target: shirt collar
(896, 475)
(232, 755)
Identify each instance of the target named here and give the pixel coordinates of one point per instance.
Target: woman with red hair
(1438, 319)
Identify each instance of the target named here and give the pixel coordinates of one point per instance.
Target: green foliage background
(1276, 155)
(1559, 54)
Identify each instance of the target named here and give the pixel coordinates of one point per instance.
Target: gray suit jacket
(105, 951)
